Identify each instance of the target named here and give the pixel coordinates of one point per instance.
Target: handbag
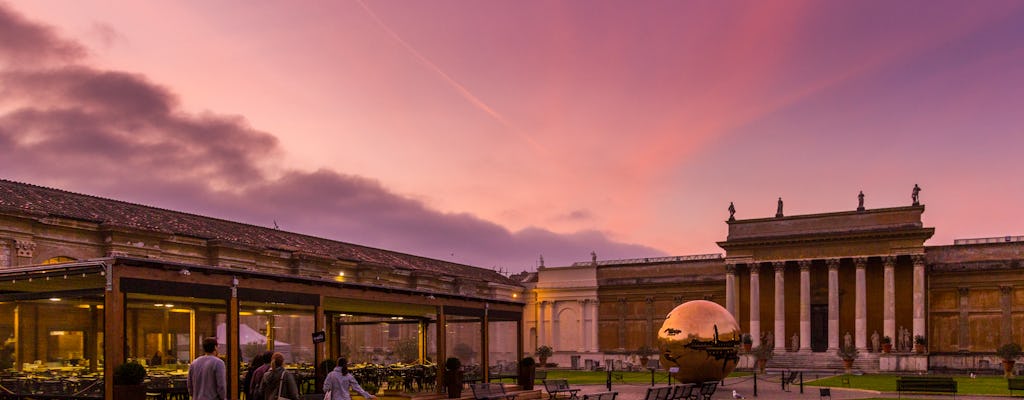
(281, 386)
(327, 396)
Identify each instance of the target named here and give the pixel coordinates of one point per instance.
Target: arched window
(58, 260)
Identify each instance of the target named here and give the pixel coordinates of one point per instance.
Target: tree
(464, 352)
(407, 350)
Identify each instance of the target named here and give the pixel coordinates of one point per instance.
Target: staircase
(866, 362)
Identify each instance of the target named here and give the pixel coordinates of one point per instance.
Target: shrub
(848, 353)
(1009, 351)
(919, 339)
(527, 362)
(452, 364)
(130, 373)
(544, 351)
(886, 340)
(747, 339)
(762, 352)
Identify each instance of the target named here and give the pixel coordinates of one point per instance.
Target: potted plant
(543, 352)
(919, 343)
(128, 381)
(527, 373)
(761, 356)
(886, 344)
(848, 354)
(453, 377)
(747, 342)
(1009, 353)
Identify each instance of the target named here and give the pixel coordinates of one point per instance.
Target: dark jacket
(272, 380)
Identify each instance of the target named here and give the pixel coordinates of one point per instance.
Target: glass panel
(281, 328)
(463, 339)
(166, 332)
(52, 347)
(502, 357)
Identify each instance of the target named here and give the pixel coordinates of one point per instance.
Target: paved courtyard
(766, 389)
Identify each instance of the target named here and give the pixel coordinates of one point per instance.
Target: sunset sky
(491, 132)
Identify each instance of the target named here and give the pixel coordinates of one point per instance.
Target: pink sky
(492, 132)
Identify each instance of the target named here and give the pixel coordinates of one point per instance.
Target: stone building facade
(808, 285)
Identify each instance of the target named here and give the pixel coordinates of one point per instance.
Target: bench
(707, 389)
(659, 393)
(490, 391)
(558, 387)
(683, 392)
(925, 384)
(601, 396)
(1015, 384)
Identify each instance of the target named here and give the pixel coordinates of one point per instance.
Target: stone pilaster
(581, 326)
(622, 323)
(5, 254)
(889, 297)
(805, 305)
(963, 304)
(860, 336)
(780, 304)
(730, 289)
(1006, 304)
(542, 325)
(594, 312)
(833, 304)
(919, 295)
(755, 303)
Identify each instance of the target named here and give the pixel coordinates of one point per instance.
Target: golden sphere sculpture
(701, 339)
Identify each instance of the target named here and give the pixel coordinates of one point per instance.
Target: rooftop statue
(860, 201)
(732, 212)
(778, 213)
(914, 195)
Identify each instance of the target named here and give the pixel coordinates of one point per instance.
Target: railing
(651, 260)
(1004, 239)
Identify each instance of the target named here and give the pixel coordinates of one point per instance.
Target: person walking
(278, 382)
(256, 381)
(339, 382)
(207, 376)
(247, 383)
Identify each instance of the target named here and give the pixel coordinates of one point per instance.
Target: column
(805, 305)
(580, 329)
(755, 304)
(889, 297)
(780, 305)
(594, 308)
(730, 289)
(833, 303)
(919, 327)
(860, 334)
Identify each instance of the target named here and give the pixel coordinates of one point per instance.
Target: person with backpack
(279, 384)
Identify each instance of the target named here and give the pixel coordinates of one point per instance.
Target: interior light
(158, 305)
(55, 299)
(168, 305)
(514, 295)
(342, 273)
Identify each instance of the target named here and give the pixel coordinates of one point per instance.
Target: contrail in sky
(458, 87)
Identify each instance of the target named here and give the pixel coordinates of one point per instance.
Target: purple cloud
(118, 135)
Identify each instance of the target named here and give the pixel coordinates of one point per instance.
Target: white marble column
(580, 332)
(755, 304)
(594, 308)
(542, 325)
(805, 305)
(833, 303)
(780, 305)
(889, 297)
(919, 325)
(730, 289)
(860, 335)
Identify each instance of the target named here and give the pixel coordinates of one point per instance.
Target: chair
(825, 392)
(682, 392)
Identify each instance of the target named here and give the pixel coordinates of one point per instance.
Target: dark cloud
(119, 135)
(28, 43)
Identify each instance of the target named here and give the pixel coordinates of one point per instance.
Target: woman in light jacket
(339, 381)
(278, 382)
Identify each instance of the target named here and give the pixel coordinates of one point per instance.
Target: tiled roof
(31, 199)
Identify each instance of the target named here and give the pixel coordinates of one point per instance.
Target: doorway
(819, 327)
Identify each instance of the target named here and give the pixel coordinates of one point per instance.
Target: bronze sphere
(701, 339)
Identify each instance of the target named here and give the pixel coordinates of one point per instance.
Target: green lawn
(887, 383)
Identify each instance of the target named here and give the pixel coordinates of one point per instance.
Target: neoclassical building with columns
(806, 284)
